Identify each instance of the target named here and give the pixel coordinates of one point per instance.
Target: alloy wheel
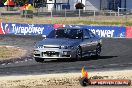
(79, 53)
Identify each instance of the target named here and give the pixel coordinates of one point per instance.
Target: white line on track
(21, 61)
(16, 62)
(3, 64)
(30, 59)
(9, 63)
(112, 65)
(26, 60)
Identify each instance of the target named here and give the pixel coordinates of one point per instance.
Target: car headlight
(36, 51)
(39, 46)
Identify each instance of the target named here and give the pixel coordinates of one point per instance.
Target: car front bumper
(54, 53)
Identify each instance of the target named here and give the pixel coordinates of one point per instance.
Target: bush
(79, 5)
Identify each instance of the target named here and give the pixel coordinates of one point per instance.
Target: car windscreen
(69, 33)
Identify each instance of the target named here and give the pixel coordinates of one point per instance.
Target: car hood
(59, 42)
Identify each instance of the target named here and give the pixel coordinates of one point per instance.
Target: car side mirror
(44, 36)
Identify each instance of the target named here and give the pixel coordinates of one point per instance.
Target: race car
(68, 43)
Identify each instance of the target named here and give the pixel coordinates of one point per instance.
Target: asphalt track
(116, 54)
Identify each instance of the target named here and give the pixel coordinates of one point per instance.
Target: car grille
(51, 46)
(51, 54)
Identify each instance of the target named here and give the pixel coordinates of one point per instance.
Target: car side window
(91, 34)
(86, 34)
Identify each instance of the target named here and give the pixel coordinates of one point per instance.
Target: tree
(79, 5)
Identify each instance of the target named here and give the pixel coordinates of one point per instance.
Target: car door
(86, 42)
(93, 40)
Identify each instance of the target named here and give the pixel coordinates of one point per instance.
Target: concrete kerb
(61, 78)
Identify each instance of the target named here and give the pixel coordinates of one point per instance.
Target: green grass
(98, 20)
(96, 23)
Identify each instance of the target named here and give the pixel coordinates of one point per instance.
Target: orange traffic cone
(84, 73)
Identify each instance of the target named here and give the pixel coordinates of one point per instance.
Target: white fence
(124, 11)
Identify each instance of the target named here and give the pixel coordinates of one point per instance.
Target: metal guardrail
(124, 11)
(69, 13)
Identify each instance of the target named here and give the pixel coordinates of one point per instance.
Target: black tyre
(79, 53)
(98, 50)
(39, 59)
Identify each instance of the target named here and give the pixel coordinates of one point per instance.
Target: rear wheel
(98, 50)
(39, 59)
(79, 53)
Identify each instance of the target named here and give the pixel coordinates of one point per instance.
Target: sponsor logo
(6, 28)
(103, 33)
(85, 81)
(1, 28)
(30, 29)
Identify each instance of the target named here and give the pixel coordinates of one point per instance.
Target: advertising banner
(47, 29)
(26, 29)
(128, 32)
(104, 31)
(57, 26)
(1, 29)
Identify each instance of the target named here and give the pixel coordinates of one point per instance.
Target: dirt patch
(11, 52)
(65, 80)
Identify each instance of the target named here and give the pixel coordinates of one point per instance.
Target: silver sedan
(66, 43)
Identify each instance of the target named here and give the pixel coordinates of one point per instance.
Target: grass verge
(91, 20)
(9, 52)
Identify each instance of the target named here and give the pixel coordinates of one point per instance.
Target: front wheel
(39, 60)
